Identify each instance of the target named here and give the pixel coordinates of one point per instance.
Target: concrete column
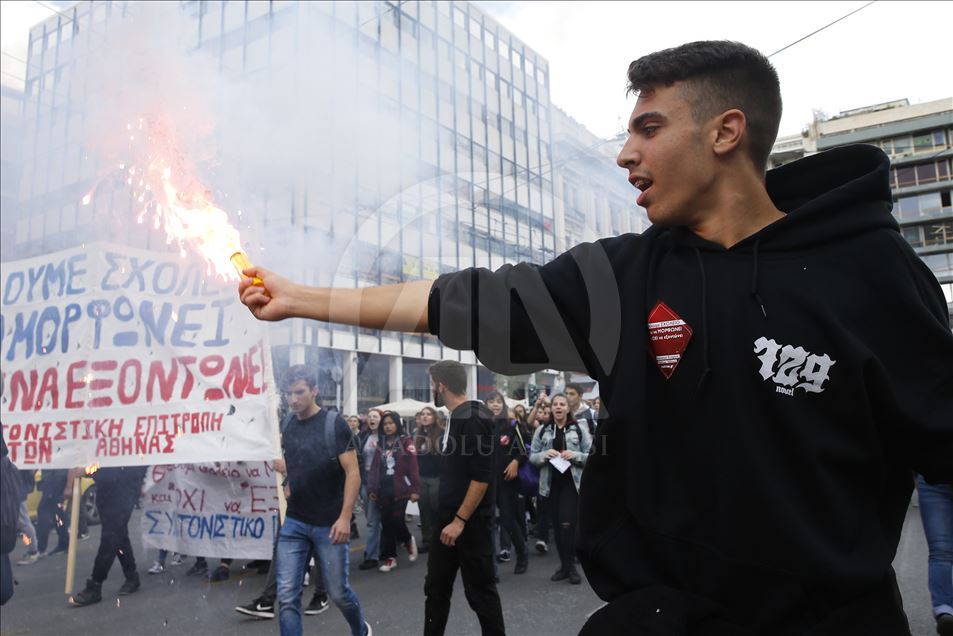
(472, 382)
(559, 215)
(395, 379)
(349, 382)
(605, 217)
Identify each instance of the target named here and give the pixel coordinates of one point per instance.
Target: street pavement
(173, 604)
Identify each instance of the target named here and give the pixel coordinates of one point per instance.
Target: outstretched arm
(400, 307)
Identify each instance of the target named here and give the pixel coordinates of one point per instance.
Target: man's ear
(729, 131)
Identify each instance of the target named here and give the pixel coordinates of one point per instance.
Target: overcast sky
(889, 50)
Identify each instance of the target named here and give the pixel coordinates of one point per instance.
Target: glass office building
(468, 179)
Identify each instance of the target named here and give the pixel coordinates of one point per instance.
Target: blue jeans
(936, 511)
(295, 542)
(372, 550)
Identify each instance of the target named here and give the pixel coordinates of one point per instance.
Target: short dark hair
(451, 374)
(575, 387)
(720, 75)
(299, 372)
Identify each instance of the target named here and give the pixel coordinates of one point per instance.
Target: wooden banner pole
(73, 534)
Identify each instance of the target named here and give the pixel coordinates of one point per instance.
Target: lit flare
(241, 263)
(163, 181)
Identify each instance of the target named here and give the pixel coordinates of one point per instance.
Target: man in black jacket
(117, 491)
(462, 539)
(773, 357)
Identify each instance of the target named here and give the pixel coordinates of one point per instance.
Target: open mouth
(642, 184)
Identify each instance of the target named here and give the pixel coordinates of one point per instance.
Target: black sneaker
(259, 608)
(130, 585)
(317, 605)
(944, 624)
(521, 566)
(93, 593)
(574, 577)
(200, 567)
(541, 546)
(560, 575)
(369, 564)
(221, 573)
(255, 564)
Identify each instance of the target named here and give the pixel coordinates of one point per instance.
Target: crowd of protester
(538, 457)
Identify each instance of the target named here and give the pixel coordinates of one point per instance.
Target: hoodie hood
(844, 192)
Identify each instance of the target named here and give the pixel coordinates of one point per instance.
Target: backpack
(9, 505)
(330, 416)
(552, 425)
(590, 421)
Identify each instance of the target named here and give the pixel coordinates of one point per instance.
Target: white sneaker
(388, 565)
(157, 568)
(368, 631)
(307, 579)
(177, 559)
(412, 548)
(29, 558)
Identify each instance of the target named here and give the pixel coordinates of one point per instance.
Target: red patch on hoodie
(668, 338)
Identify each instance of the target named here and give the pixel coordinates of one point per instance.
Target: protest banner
(117, 356)
(225, 509)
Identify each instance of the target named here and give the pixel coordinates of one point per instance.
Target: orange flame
(26, 540)
(91, 469)
(162, 180)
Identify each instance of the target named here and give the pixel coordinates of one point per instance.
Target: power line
(54, 10)
(390, 8)
(843, 17)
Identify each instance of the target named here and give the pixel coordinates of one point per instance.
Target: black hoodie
(762, 487)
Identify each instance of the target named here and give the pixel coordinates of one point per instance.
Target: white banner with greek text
(118, 356)
(220, 510)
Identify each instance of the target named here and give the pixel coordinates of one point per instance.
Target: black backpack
(330, 417)
(9, 505)
(569, 426)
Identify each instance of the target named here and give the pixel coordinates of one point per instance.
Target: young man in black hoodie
(774, 359)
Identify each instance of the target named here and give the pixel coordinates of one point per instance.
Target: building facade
(593, 197)
(11, 152)
(918, 138)
(468, 181)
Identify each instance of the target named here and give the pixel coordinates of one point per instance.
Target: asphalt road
(171, 603)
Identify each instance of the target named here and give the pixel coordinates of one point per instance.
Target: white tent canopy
(405, 407)
(408, 407)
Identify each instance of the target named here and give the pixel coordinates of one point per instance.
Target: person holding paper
(560, 449)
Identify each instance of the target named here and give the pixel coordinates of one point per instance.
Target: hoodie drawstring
(701, 270)
(754, 279)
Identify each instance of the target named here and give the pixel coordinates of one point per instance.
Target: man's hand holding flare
(269, 300)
